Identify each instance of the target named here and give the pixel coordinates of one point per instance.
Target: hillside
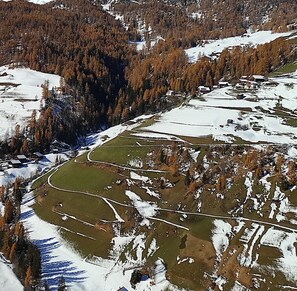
(107, 80)
(186, 23)
(208, 188)
(163, 138)
(21, 94)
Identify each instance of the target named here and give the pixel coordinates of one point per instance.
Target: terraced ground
(220, 210)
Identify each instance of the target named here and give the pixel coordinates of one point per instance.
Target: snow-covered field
(217, 46)
(20, 94)
(223, 116)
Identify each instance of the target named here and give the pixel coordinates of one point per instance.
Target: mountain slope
(189, 21)
(208, 187)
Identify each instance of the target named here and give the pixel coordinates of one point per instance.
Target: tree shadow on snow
(53, 268)
(27, 214)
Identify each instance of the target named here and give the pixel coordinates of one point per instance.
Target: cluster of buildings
(20, 160)
(245, 82)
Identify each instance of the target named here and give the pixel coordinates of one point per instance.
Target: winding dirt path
(170, 210)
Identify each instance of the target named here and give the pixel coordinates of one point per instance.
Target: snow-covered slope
(217, 46)
(254, 117)
(20, 94)
(8, 280)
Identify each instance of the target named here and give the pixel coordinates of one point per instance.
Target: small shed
(223, 84)
(15, 163)
(258, 78)
(203, 89)
(22, 158)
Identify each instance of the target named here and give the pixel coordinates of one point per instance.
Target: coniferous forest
(106, 79)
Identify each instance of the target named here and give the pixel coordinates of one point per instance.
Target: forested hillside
(106, 80)
(184, 23)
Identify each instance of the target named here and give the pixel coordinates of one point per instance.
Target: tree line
(14, 243)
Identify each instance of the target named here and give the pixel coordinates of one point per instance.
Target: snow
(187, 259)
(170, 223)
(286, 206)
(194, 155)
(160, 271)
(249, 185)
(18, 101)
(220, 236)
(273, 208)
(59, 259)
(239, 287)
(285, 242)
(247, 260)
(151, 192)
(153, 248)
(292, 152)
(135, 176)
(238, 227)
(8, 280)
(135, 163)
(265, 183)
(145, 208)
(97, 139)
(220, 282)
(40, 2)
(249, 233)
(217, 46)
(117, 216)
(209, 117)
(159, 136)
(139, 247)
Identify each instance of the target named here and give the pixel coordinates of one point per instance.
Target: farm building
(203, 89)
(22, 158)
(258, 78)
(223, 84)
(15, 163)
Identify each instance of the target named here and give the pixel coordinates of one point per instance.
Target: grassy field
(286, 69)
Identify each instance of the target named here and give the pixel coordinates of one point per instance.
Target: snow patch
(217, 46)
(220, 236)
